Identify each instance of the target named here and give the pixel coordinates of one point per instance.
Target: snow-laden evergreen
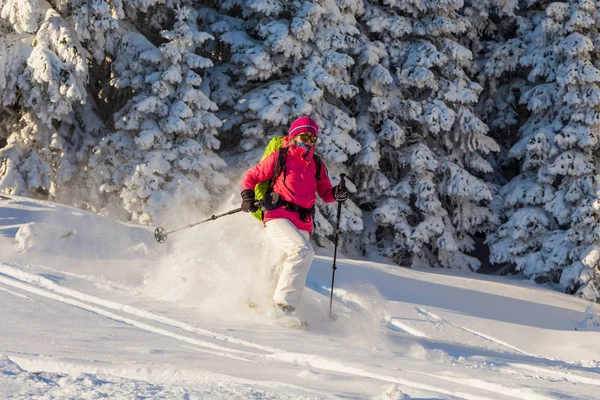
(43, 77)
(455, 120)
(162, 155)
(550, 209)
(424, 150)
(276, 61)
(494, 39)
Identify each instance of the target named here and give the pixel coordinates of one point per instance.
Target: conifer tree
(124, 100)
(42, 87)
(550, 210)
(423, 148)
(163, 152)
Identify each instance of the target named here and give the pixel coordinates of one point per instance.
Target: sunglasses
(305, 137)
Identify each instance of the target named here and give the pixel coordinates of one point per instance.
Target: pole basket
(160, 234)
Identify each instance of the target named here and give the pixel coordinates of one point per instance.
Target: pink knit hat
(303, 124)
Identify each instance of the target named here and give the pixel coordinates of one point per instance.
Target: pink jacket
(300, 186)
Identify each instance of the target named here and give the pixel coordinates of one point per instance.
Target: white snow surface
(92, 308)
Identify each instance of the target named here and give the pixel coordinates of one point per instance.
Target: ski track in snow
(15, 294)
(536, 372)
(24, 281)
(516, 369)
(250, 352)
(110, 382)
(511, 368)
(434, 319)
(395, 324)
(518, 393)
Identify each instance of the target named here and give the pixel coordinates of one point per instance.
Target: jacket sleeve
(324, 187)
(260, 172)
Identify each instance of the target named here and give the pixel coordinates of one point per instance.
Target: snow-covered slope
(91, 308)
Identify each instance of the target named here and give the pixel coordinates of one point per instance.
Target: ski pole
(160, 234)
(337, 236)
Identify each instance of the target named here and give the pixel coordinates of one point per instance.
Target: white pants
(294, 263)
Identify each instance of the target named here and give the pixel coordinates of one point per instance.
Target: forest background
(468, 129)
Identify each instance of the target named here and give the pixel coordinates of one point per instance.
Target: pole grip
(342, 180)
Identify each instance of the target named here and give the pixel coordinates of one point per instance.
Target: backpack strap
(318, 165)
(279, 166)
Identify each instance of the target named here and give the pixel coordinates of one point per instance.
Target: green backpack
(261, 189)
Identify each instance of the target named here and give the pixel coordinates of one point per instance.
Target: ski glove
(248, 203)
(340, 193)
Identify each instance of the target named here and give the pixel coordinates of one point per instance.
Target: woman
(290, 206)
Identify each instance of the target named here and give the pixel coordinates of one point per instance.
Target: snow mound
(65, 234)
(419, 352)
(591, 321)
(393, 393)
(8, 367)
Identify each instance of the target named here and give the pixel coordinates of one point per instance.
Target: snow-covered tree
(423, 148)
(497, 41)
(163, 152)
(550, 210)
(278, 60)
(124, 100)
(42, 85)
